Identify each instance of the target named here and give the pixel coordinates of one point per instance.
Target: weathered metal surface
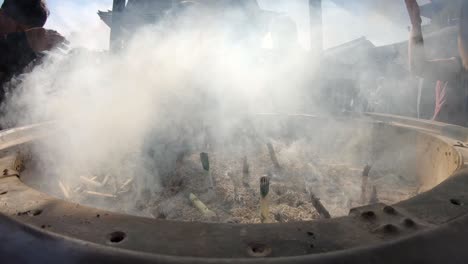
(429, 228)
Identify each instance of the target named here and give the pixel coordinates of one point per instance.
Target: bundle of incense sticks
(264, 200)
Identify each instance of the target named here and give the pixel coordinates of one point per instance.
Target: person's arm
(41, 39)
(18, 49)
(416, 54)
(15, 51)
(443, 69)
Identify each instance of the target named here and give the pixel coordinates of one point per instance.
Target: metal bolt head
(389, 210)
(409, 222)
(368, 215)
(387, 229)
(390, 229)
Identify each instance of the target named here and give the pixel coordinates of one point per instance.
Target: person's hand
(414, 12)
(41, 39)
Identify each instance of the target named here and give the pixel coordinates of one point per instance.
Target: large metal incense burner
(430, 227)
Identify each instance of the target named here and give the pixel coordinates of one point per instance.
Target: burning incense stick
(264, 200)
(206, 167)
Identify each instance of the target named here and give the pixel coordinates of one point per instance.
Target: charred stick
(245, 172)
(365, 180)
(323, 212)
(207, 213)
(366, 170)
(205, 160)
(273, 158)
(264, 200)
(319, 207)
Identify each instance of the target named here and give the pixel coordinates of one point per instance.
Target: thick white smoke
(173, 85)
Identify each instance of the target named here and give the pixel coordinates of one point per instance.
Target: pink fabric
(441, 98)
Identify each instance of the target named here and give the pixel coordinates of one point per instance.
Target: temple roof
(156, 8)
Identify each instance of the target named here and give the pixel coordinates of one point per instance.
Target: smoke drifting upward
(177, 87)
(79, 23)
(172, 85)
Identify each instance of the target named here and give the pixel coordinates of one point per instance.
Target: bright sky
(77, 19)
